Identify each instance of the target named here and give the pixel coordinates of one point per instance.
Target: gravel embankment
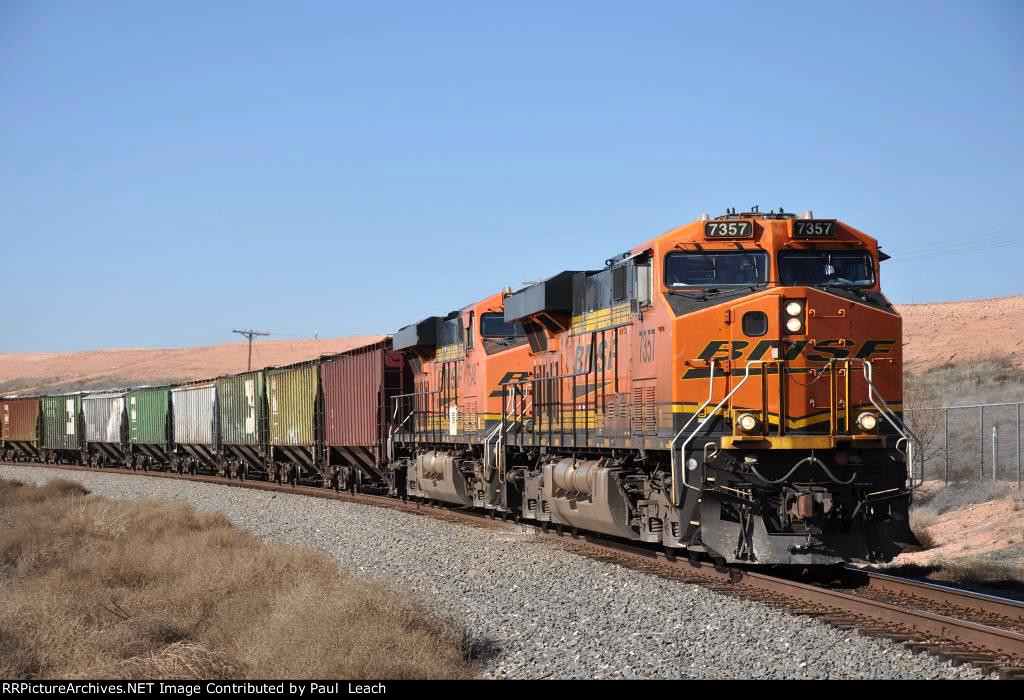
(543, 612)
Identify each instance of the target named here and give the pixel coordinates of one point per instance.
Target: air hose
(805, 460)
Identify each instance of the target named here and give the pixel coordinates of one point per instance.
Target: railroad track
(983, 630)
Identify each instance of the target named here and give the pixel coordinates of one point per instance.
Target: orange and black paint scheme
(461, 363)
(732, 387)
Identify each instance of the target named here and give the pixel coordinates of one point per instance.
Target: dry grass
(979, 571)
(956, 496)
(920, 520)
(134, 590)
(993, 379)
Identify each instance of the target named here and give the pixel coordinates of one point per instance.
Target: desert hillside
(45, 371)
(955, 331)
(934, 335)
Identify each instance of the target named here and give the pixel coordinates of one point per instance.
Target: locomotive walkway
(984, 631)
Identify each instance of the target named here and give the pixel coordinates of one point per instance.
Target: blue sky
(173, 170)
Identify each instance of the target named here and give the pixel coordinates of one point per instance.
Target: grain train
(731, 388)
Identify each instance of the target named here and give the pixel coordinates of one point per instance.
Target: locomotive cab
(796, 451)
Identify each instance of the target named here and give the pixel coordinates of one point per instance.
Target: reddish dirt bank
(28, 372)
(934, 334)
(958, 331)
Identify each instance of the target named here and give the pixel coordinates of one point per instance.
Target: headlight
(747, 423)
(867, 421)
(794, 308)
(794, 325)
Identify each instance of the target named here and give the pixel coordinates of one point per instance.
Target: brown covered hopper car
(357, 389)
(21, 427)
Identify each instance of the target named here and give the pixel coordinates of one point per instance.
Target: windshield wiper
(707, 294)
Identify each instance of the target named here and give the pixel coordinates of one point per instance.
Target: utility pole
(249, 335)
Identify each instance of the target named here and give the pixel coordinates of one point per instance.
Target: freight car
(328, 418)
(106, 428)
(295, 422)
(357, 391)
(62, 429)
(242, 417)
(194, 426)
(323, 421)
(150, 440)
(21, 427)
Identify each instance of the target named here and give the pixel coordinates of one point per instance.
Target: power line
(976, 248)
(969, 243)
(249, 335)
(963, 246)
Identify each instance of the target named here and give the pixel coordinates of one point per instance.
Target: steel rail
(943, 594)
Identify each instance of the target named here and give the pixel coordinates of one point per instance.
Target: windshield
(848, 268)
(494, 326)
(716, 268)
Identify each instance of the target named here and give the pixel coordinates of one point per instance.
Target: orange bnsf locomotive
(732, 387)
(447, 429)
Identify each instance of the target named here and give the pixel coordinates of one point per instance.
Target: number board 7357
(728, 229)
(814, 228)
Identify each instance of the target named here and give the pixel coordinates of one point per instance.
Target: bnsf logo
(821, 351)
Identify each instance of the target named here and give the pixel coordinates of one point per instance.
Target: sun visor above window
(418, 335)
(551, 298)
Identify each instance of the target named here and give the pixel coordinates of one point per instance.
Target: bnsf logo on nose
(821, 351)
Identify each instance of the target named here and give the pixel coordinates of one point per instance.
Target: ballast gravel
(537, 611)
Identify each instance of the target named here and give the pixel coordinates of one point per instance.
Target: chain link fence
(969, 443)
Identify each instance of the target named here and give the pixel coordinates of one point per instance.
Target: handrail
(501, 435)
(905, 432)
(496, 432)
(393, 431)
(395, 428)
(682, 449)
(672, 445)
